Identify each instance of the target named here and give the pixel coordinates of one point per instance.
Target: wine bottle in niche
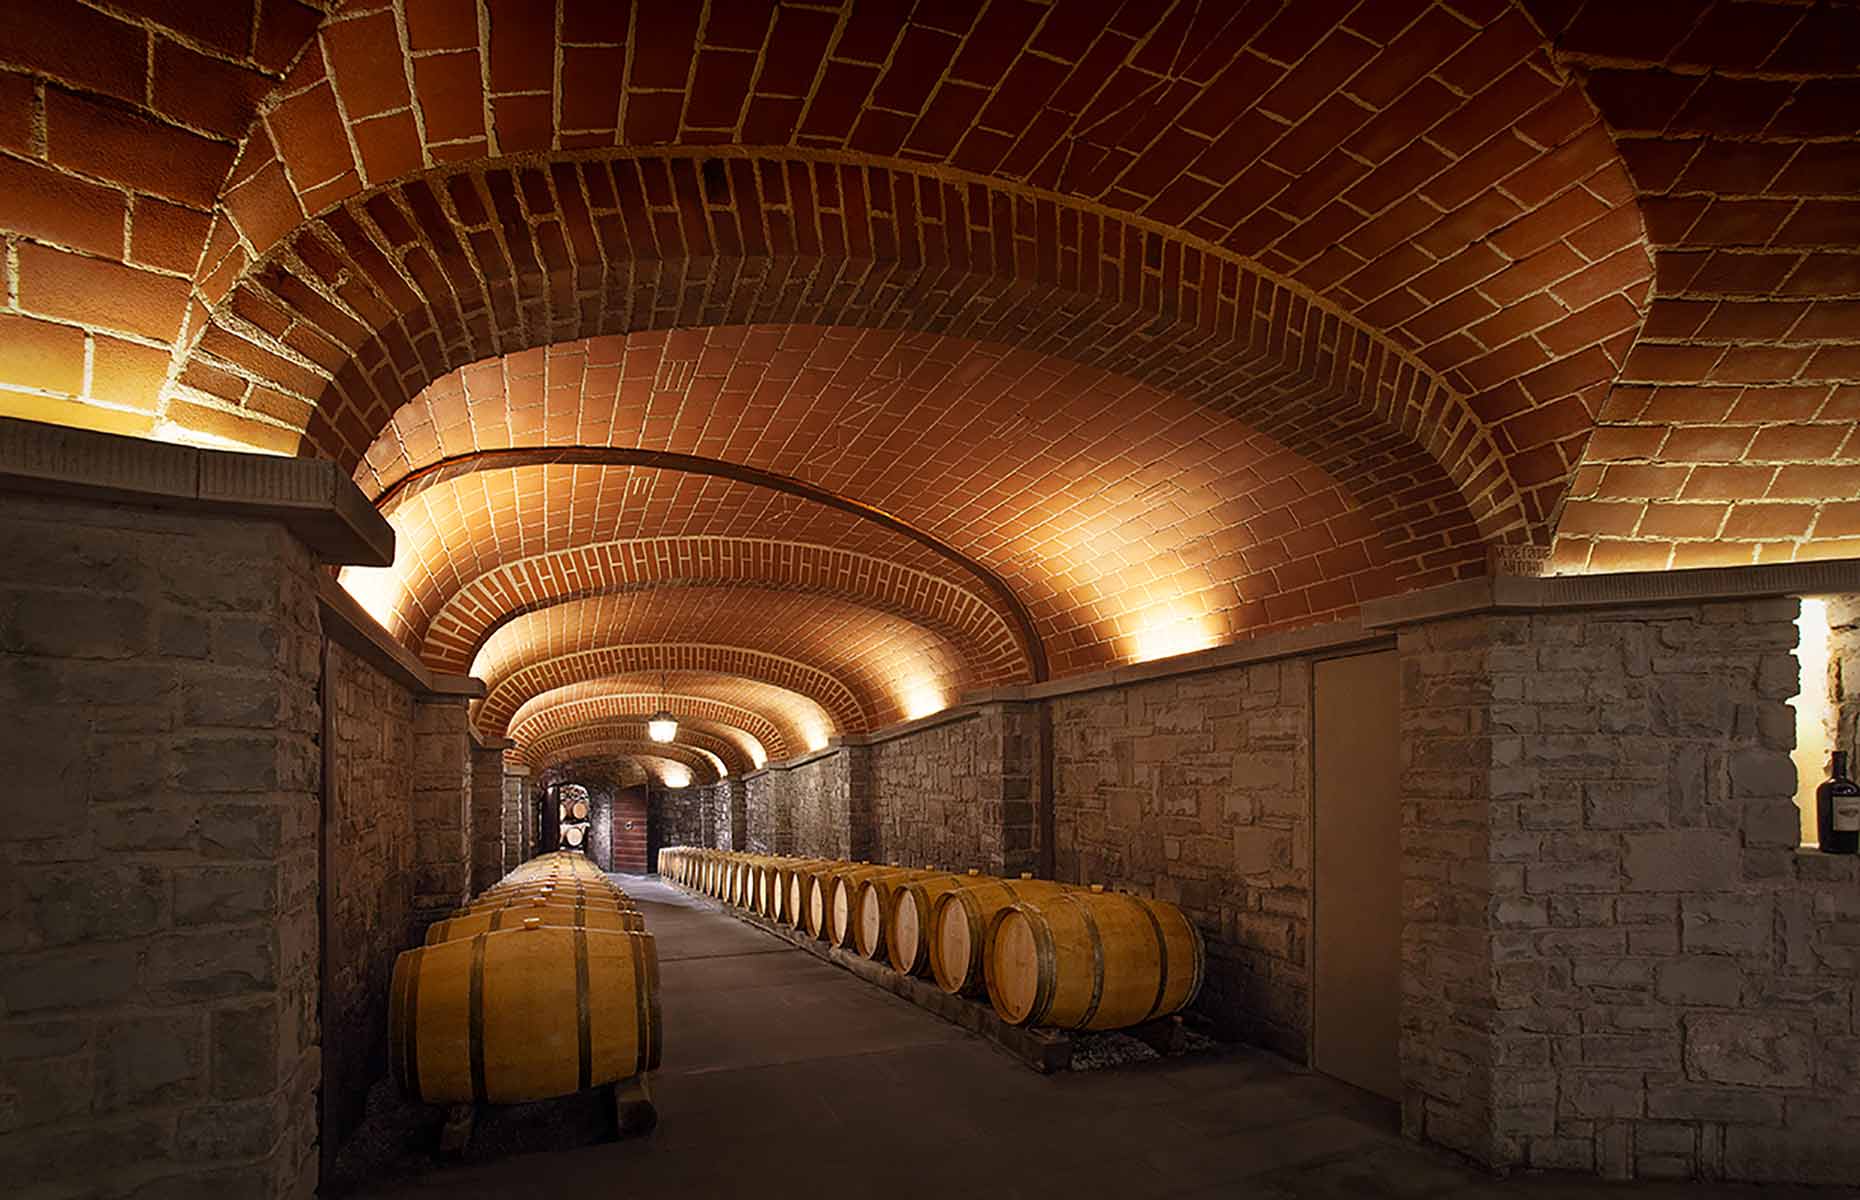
(1837, 809)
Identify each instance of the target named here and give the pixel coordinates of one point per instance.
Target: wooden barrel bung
(908, 941)
(523, 1014)
(1092, 960)
(959, 923)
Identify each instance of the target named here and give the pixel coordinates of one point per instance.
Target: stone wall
(369, 882)
(487, 817)
(441, 807)
(600, 842)
(677, 817)
(1622, 962)
(926, 798)
(158, 858)
(770, 812)
(1196, 790)
(518, 817)
(829, 799)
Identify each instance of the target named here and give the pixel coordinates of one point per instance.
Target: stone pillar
(442, 794)
(1616, 958)
(487, 816)
(1007, 768)
(768, 816)
(159, 656)
(519, 839)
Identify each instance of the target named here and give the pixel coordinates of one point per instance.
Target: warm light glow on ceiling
(921, 698)
(813, 736)
(376, 589)
(675, 775)
(723, 771)
(758, 757)
(168, 431)
(1814, 717)
(1168, 630)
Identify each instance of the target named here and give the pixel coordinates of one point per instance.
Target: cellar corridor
(785, 1076)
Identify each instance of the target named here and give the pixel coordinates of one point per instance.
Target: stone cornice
(1501, 594)
(311, 497)
(349, 625)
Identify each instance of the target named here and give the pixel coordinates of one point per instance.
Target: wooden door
(1356, 786)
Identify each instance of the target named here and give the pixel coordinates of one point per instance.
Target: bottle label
(1847, 814)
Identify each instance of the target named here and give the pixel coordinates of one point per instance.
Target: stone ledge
(309, 496)
(348, 624)
(1627, 589)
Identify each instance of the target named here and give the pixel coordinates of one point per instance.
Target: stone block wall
(518, 817)
(1622, 962)
(829, 798)
(677, 817)
(158, 855)
(442, 804)
(487, 817)
(926, 798)
(769, 813)
(369, 880)
(1196, 790)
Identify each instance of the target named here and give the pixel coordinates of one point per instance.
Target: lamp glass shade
(662, 727)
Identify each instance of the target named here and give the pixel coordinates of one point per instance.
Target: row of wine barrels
(546, 984)
(1044, 953)
(574, 810)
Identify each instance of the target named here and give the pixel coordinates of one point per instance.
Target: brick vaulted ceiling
(993, 338)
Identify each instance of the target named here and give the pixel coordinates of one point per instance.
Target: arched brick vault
(715, 722)
(476, 548)
(538, 743)
(1731, 434)
(886, 663)
(825, 705)
(651, 755)
(1096, 531)
(405, 287)
(475, 612)
(780, 721)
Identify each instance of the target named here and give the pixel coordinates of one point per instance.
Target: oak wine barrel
(573, 834)
(523, 1014)
(875, 900)
(820, 895)
(578, 810)
(1092, 960)
(842, 909)
(959, 924)
(489, 920)
(907, 933)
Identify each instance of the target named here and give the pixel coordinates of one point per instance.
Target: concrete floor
(787, 1076)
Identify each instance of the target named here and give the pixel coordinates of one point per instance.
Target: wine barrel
(842, 912)
(820, 895)
(573, 916)
(875, 900)
(523, 1014)
(1092, 960)
(519, 899)
(578, 810)
(907, 933)
(791, 891)
(588, 887)
(572, 835)
(959, 923)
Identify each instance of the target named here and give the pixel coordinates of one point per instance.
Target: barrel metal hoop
(584, 1039)
(640, 1034)
(652, 997)
(1046, 964)
(475, 1020)
(407, 1046)
(1162, 952)
(1097, 956)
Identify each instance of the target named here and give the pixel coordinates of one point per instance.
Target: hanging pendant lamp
(662, 726)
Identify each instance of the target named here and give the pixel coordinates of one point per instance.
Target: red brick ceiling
(783, 722)
(592, 744)
(540, 745)
(1391, 240)
(866, 667)
(705, 723)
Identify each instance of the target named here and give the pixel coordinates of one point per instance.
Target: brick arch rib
(770, 728)
(702, 771)
(727, 721)
(506, 695)
(719, 737)
(634, 731)
(458, 466)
